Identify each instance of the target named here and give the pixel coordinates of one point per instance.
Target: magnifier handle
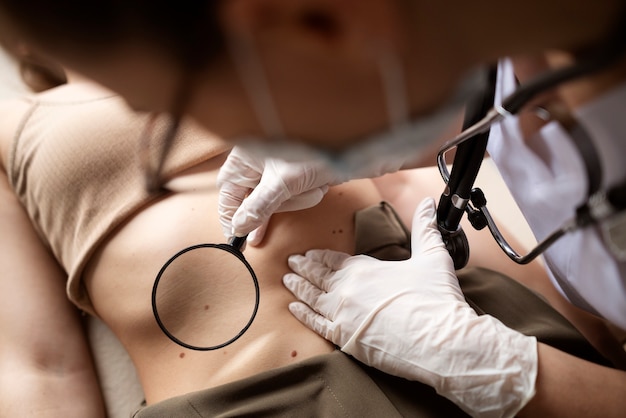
(237, 242)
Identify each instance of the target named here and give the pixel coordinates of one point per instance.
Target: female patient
(69, 157)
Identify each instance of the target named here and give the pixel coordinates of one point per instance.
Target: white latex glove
(253, 188)
(410, 319)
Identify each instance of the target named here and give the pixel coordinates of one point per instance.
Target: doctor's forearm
(570, 387)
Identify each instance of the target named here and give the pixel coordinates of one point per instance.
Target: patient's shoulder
(13, 112)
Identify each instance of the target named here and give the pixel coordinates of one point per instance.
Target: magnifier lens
(205, 297)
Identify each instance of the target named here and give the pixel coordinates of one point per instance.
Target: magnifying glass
(206, 296)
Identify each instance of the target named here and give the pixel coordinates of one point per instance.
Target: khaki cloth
(80, 142)
(335, 385)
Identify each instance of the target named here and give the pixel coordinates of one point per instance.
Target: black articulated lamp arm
(467, 161)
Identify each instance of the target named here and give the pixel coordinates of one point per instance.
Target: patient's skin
(121, 274)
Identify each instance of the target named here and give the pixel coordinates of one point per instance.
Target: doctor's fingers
(314, 321)
(316, 298)
(425, 236)
(318, 266)
(240, 172)
(230, 199)
(256, 237)
(304, 200)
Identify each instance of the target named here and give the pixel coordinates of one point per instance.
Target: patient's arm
(46, 368)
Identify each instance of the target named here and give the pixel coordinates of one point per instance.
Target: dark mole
(341, 231)
(334, 232)
(181, 355)
(294, 353)
(206, 307)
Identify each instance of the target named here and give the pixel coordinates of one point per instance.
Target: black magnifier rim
(236, 253)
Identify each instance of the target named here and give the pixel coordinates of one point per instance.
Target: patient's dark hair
(186, 29)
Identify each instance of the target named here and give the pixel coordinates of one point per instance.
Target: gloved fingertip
(289, 280)
(427, 207)
(241, 230)
(298, 309)
(239, 219)
(293, 261)
(424, 234)
(245, 221)
(426, 212)
(254, 239)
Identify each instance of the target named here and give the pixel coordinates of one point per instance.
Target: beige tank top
(74, 164)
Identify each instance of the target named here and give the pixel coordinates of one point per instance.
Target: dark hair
(186, 29)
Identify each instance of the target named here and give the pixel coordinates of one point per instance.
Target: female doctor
(371, 84)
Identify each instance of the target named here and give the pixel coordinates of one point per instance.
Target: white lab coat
(548, 180)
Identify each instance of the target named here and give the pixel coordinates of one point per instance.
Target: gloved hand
(410, 319)
(253, 188)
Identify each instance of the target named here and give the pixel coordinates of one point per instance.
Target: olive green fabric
(379, 232)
